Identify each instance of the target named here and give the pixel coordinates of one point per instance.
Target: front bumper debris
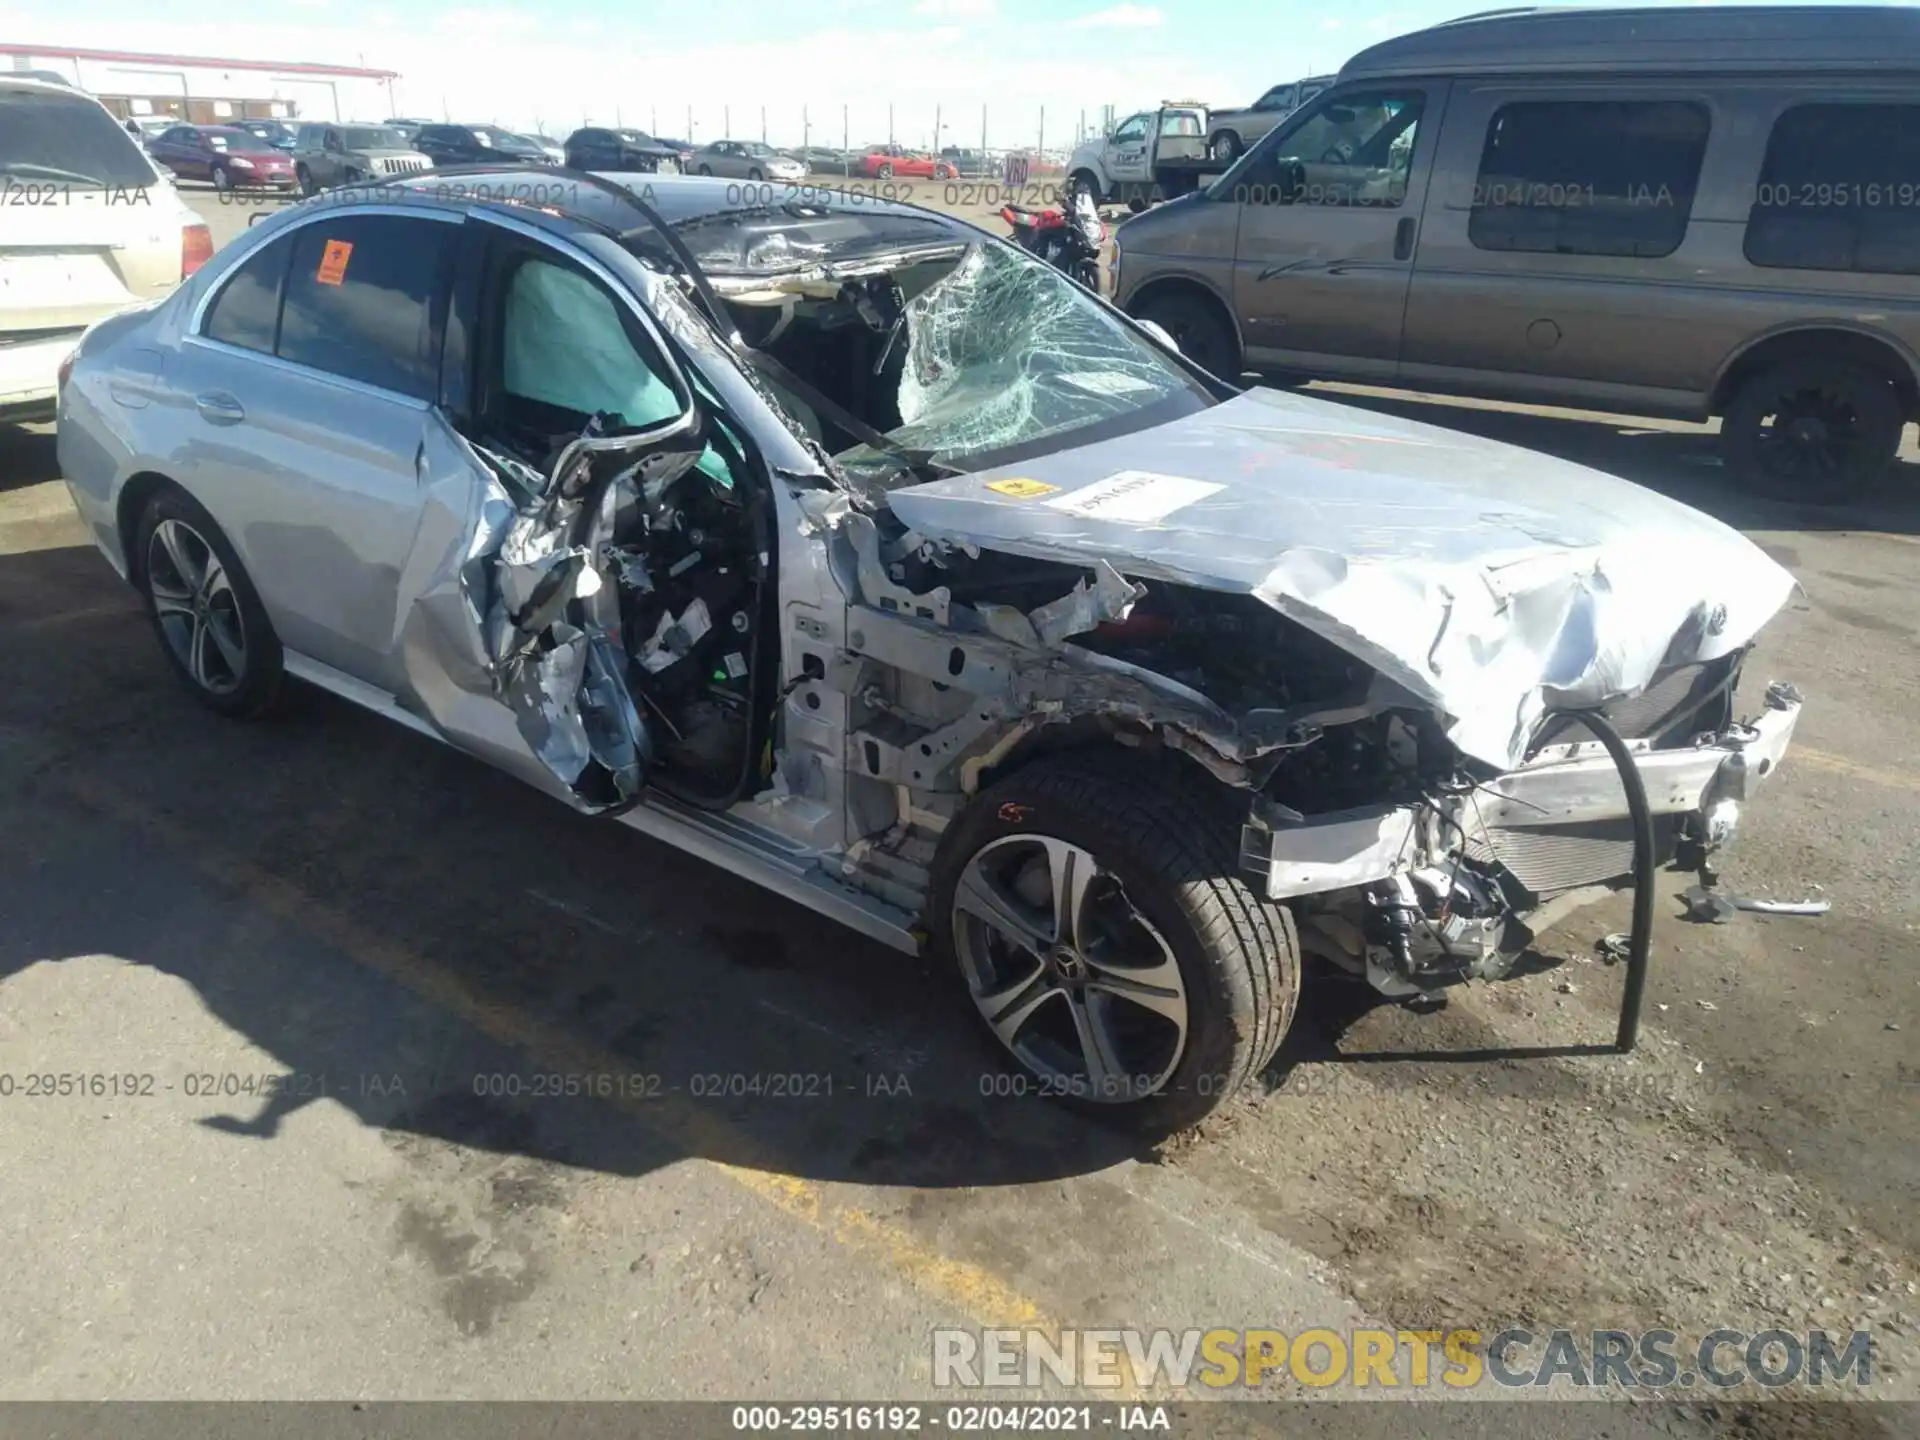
(1565, 785)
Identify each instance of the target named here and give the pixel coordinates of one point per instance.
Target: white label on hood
(1108, 382)
(1136, 495)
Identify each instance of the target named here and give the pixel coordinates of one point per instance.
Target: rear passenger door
(1555, 256)
(313, 376)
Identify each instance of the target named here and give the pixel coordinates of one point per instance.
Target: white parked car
(91, 228)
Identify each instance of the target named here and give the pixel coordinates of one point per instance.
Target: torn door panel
(1492, 583)
(487, 648)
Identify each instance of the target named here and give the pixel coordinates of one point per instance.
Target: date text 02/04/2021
(992, 1419)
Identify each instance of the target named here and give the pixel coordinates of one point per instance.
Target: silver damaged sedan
(863, 554)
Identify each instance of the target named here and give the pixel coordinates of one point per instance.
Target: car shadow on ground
(26, 456)
(454, 955)
(1683, 463)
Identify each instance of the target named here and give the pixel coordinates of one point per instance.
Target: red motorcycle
(1068, 240)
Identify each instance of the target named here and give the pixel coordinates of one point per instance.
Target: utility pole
(936, 129)
(1041, 145)
(806, 130)
(689, 124)
(889, 122)
(983, 132)
(845, 143)
(619, 120)
(763, 124)
(726, 122)
(653, 120)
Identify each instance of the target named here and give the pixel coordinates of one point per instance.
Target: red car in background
(225, 155)
(884, 162)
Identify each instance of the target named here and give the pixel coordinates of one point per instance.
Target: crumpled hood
(1492, 582)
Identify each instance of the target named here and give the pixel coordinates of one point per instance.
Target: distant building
(208, 91)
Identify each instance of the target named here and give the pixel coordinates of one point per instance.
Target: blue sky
(562, 64)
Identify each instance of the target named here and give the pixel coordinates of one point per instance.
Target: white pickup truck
(1148, 157)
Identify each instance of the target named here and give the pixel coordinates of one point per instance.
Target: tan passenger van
(1709, 211)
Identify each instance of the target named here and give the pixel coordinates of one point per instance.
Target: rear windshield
(67, 139)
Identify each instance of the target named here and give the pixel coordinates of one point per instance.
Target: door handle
(219, 409)
(1403, 239)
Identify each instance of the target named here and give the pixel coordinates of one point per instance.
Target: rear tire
(1198, 328)
(1164, 919)
(1823, 432)
(1224, 148)
(204, 609)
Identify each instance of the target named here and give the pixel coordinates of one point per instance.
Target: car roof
(556, 199)
(1676, 38)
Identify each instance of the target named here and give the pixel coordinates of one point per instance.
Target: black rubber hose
(1640, 941)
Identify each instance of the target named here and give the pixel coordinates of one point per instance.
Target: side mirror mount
(1290, 181)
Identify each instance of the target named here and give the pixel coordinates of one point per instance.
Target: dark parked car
(599, 148)
(476, 145)
(226, 155)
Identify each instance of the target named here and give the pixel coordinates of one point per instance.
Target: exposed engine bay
(1414, 868)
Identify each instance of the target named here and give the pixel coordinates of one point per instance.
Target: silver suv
(328, 155)
(869, 556)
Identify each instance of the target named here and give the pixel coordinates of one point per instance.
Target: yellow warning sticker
(1021, 489)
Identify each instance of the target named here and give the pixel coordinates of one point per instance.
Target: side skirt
(727, 839)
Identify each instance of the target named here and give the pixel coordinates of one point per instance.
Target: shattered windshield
(1007, 357)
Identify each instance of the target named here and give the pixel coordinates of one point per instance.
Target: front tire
(1822, 432)
(1224, 148)
(303, 177)
(1093, 907)
(222, 180)
(204, 608)
(1198, 328)
(885, 172)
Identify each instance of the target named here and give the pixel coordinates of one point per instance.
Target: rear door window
(54, 137)
(246, 311)
(367, 300)
(1840, 190)
(1589, 177)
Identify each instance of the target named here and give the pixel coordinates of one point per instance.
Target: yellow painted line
(982, 1296)
(1840, 765)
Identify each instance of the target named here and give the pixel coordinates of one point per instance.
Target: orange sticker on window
(333, 262)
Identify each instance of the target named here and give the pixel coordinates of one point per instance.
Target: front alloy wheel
(1093, 905)
(1074, 981)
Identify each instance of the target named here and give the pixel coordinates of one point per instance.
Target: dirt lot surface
(331, 899)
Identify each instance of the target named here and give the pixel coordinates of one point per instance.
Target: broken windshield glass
(1006, 356)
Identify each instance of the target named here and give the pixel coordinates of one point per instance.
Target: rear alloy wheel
(1225, 148)
(1820, 432)
(706, 170)
(886, 172)
(205, 610)
(1198, 328)
(1096, 914)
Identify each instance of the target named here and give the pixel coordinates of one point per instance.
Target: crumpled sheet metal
(480, 556)
(1491, 582)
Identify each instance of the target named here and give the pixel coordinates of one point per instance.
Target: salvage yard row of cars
(864, 553)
